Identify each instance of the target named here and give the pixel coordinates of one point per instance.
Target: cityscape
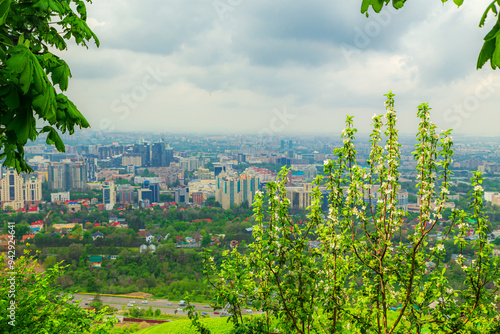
(235, 167)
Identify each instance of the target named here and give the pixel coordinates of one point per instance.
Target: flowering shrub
(361, 278)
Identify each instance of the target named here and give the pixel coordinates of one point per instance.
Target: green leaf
(495, 58)
(26, 76)
(4, 10)
(493, 32)
(19, 59)
(12, 99)
(458, 2)
(377, 5)
(39, 76)
(22, 125)
(398, 3)
(486, 53)
(60, 75)
(54, 139)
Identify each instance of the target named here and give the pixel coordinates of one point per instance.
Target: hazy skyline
(281, 67)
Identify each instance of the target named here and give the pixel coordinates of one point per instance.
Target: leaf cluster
(489, 51)
(32, 78)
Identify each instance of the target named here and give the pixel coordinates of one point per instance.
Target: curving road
(161, 304)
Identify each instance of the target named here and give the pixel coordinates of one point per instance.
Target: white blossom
(478, 188)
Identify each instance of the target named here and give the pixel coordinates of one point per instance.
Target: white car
(91, 298)
(132, 302)
(144, 301)
(129, 305)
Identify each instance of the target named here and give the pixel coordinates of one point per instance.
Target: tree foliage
(39, 306)
(489, 51)
(32, 77)
(347, 272)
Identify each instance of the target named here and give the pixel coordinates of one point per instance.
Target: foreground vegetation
(347, 271)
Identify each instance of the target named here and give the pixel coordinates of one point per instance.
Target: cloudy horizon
(234, 66)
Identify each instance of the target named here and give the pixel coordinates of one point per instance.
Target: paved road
(161, 304)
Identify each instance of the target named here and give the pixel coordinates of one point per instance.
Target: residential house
(64, 228)
(27, 237)
(149, 237)
(95, 260)
(97, 235)
(36, 226)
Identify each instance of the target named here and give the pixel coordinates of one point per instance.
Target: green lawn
(215, 325)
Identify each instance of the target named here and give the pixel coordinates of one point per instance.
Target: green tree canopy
(31, 302)
(489, 51)
(32, 78)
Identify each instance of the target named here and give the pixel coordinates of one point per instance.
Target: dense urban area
(131, 214)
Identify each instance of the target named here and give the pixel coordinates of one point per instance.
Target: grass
(215, 325)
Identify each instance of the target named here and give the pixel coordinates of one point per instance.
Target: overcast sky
(281, 67)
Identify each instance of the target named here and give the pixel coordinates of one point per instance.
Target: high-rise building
(125, 194)
(76, 175)
(32, 191)
(161, 155)
(132, 159)
(181, 194)
(235, 189)
(63, 176)
(91, 169)
(109, 195)
(17, 193)
(169, 155)
(144, 149)
(144, 194)
(57, 176)
(155, 191)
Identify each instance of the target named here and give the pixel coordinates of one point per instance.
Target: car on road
(169, 304)
(130, 305)
(204, 314)
(91, 298)
(207, 306)
(182, 303)
(249, 311)
(138, 307)
(132, 302)
(216, 312)
(144, 301)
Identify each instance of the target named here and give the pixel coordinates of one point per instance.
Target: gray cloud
(229, 66)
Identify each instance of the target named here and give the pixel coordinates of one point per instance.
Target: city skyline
(281, 68)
